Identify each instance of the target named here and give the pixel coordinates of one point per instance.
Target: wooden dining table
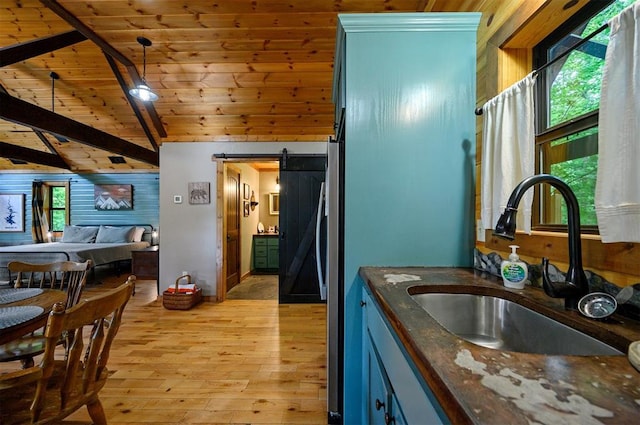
(44, 298)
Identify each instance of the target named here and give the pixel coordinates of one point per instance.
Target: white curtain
(508, 152)
(617, 197)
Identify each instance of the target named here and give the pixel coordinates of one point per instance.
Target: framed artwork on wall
(245, 208)
(199, 193)
(246, 191)
(274, 203)
(113, 197)
(12, 212)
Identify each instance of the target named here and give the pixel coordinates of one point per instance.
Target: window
(57, 204)
(568, 98)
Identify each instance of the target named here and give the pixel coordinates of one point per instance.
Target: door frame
(221, 216)
(221, 221)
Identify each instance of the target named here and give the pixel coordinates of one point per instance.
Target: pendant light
(142, 91)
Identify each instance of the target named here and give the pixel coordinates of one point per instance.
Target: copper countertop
(479, 385)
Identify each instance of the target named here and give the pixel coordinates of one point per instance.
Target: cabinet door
(378, 388)
(398, 416)
(410, 401)
(273, 257)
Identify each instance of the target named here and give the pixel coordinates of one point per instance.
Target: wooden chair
(54, 389)
(67, 276)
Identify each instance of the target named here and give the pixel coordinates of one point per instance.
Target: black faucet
(575, 285)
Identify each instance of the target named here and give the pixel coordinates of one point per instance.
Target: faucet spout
(575, 285)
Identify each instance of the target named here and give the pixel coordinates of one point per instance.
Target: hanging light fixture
(142, 91)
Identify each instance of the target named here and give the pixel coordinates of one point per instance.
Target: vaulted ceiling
(231, 70)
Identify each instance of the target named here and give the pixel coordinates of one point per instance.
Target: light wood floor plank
(236, 362)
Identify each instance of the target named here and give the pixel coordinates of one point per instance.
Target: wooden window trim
(67, 186)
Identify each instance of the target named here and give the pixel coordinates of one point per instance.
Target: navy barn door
(300, 183)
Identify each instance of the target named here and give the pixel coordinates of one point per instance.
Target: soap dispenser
(514, 272)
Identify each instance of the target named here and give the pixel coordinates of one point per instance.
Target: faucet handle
(567, 288)
(546, 281)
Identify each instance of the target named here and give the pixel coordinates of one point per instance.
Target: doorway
(274, 231)
(254, 179)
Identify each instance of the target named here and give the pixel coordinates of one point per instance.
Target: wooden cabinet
(395, 394)
(144, 263)
(266, 256)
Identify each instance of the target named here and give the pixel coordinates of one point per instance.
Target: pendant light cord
(144, 64)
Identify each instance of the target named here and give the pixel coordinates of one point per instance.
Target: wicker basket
(181, 301)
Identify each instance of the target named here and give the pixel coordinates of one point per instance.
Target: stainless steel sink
(501, 324)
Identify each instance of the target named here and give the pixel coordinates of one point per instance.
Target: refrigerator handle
(321, 284)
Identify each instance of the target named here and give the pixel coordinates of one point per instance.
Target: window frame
(49, 204)
(545, 135)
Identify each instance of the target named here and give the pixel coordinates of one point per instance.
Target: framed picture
(274, 203)
(12, 212)
(245, 208)
(113, 197)
(199, 193)
(247, 191)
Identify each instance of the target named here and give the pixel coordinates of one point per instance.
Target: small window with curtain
(570, 63)
(57, 205)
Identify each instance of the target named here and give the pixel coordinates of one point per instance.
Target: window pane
(574, 159)
(58, 197)
(57, 220)
(573, 83)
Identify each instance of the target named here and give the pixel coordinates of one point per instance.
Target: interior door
(232, 198)
(300, 182)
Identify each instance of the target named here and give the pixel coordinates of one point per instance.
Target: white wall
(188, 233)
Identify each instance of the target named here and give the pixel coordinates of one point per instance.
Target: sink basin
(501, 324)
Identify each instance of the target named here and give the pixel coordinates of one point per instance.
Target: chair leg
(96, 412)
(27, 362)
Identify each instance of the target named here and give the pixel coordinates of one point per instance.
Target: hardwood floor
(236, 362)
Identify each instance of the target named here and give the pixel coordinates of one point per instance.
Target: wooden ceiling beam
(134, 105)
(63, 13)
(27, 114)
(45, 141)
(10, 151)
(23, 51)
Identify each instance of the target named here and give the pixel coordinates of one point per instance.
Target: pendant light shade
(142, 91)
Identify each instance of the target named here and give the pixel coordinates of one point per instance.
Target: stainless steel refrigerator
(333, 275)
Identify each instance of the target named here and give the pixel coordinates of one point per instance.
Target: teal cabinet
(404, 91)
(266, 255)
(395, 392)
(383, 406)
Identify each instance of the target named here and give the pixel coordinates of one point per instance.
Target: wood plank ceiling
(234, 70)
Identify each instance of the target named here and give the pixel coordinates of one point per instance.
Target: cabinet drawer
(261, 251)
(260, 241)
(272, 242)
(260, 262)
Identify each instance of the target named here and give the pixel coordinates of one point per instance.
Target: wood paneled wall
(146, 190)
(504, 57)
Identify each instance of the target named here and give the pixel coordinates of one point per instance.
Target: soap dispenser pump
(514, 272)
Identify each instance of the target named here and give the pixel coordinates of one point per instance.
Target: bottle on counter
(514, 272)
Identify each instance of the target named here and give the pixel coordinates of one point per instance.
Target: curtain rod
(478, 111)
